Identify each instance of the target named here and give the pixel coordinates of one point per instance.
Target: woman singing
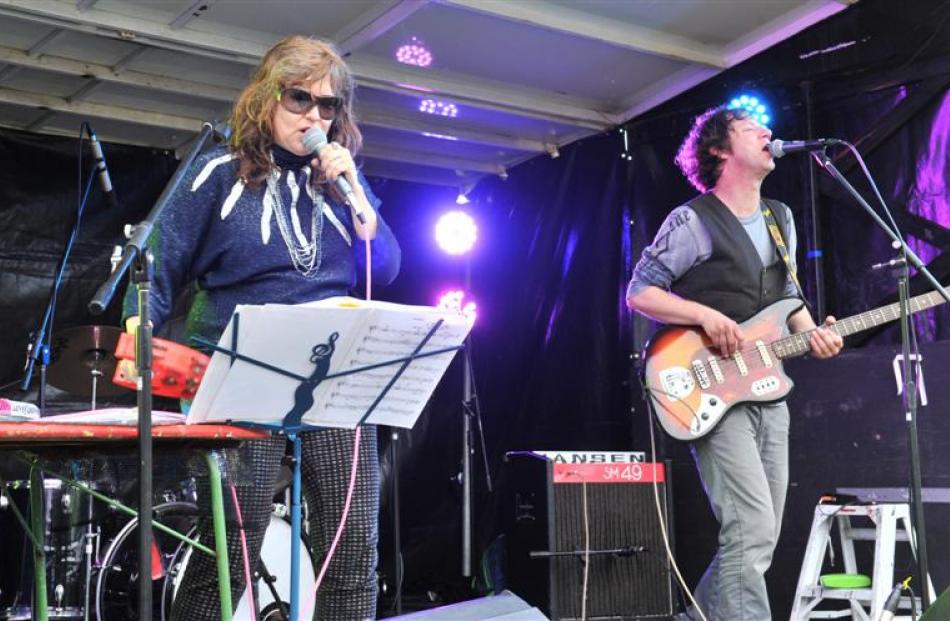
(260, 221)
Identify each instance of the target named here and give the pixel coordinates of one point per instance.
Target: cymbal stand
(95, 373)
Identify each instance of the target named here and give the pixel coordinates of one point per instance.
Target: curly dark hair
(710, 131)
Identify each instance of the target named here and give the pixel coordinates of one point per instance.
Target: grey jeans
(743, 464)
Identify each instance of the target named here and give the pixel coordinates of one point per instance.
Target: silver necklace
(306, 256)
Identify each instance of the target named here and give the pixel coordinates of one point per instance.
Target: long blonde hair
(292, 60)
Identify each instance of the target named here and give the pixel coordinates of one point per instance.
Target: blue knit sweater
(223, 239)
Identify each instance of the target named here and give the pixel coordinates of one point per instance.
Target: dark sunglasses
(299, 101)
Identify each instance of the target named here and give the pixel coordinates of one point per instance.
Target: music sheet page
(368, 333)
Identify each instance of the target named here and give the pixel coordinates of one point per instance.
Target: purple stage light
(438, 108)
(414, 53)
(455, 232)
(454, 301)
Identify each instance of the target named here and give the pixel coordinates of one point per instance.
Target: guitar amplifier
(629, 574)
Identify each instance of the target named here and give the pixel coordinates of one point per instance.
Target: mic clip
(899, 262)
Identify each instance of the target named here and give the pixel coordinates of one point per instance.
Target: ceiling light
(438, 108)
(414, 53)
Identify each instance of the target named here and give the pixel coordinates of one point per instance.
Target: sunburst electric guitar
(692, 386)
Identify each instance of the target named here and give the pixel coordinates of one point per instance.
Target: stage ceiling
(508, 80)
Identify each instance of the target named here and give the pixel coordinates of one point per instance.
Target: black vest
(732, 280)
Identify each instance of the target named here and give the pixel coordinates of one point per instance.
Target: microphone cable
(356, 449)
(660, 513)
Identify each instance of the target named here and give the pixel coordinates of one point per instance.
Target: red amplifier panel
(610, 473)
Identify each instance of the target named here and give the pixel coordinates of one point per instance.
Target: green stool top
(845, 581)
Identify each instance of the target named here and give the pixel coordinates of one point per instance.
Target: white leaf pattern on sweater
(209, 168)
(337, 224)
(294, 216)
(328, 212)
(266, 215)
(232, 198)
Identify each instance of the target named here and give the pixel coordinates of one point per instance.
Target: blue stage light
(756, 108)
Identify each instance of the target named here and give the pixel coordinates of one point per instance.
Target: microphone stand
(38, 349)
(907, 257)
(137, 256)
(471, 421)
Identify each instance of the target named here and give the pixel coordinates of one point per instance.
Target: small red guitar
(692, 386)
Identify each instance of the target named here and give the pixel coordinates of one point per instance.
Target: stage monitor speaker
(505, 606)
(550, 500)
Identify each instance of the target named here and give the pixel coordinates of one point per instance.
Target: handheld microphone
(101, 170)
(315, 140)
(779, 148)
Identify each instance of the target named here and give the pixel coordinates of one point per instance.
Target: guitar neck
(798, 344)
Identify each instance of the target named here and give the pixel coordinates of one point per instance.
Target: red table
(40, 437)
(39, 434)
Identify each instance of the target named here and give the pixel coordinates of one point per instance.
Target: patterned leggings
(348, 591)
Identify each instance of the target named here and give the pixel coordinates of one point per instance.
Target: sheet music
(392, 334)
(369, 333)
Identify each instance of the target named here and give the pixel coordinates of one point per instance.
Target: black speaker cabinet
(550, 501)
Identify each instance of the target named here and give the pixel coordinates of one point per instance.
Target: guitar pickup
(763, 350)
(740, 364)
(699, 369)
(716, 369)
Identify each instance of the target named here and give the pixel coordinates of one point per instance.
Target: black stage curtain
(550, 347)
(38, 206)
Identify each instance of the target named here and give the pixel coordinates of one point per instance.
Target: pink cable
(369, 270)
(356, 457)
(339, 529)
(247, 564)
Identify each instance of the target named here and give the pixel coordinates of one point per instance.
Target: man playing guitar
(716, 261)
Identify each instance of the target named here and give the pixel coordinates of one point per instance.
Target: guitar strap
(776, 232)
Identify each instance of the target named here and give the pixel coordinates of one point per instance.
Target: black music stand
(292, 425)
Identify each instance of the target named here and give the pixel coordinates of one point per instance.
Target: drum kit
(91, 569)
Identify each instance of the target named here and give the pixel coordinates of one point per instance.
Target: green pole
(220, 536)
(40, 607)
